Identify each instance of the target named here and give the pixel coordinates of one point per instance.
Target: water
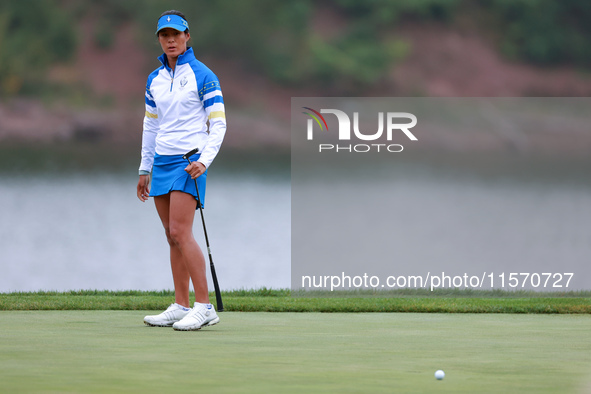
(87, 230)
(495, 218)
(75, 231)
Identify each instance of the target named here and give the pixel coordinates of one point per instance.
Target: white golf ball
(439, 374)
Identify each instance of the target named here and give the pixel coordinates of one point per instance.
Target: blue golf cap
(173, 21)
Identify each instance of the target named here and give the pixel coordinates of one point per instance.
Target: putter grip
(190, 153)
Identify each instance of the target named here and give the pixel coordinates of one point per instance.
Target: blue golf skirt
(168, 174)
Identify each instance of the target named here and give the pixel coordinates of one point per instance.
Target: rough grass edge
(284, 300)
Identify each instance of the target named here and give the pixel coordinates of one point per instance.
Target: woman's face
(173, 42)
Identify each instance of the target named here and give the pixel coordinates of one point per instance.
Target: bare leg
(177, 211)
(180, 274)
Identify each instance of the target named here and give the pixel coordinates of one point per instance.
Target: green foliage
(33, 35)
(545, 32)
(359, 58)
(280, 39)
(288, 41)
(277, 39)
(104, 36)
(384, 12)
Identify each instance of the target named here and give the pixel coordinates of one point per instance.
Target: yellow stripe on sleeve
(217, 114)
(151, 115)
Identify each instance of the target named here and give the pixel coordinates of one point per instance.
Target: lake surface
(505, 222)
(87, 229)
(76, 231)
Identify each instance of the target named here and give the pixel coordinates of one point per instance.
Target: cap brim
(172, 26)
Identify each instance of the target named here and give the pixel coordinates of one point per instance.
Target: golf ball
(439, 374)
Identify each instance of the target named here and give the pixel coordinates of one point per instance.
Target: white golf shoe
(171, 315)
(202, 315)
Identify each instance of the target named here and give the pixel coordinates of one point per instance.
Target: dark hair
(177, 13)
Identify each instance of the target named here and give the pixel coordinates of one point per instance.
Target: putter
(218, 294)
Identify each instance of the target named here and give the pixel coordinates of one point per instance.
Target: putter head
(190, 153)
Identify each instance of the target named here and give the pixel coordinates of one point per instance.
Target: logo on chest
(183, 83)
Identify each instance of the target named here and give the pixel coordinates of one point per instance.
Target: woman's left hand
(195, 169)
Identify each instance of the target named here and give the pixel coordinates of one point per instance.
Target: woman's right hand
(143, 188)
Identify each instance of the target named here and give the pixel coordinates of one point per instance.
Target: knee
(176, 235)
(169, 238)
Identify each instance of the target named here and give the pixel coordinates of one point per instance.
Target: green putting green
(113, 351)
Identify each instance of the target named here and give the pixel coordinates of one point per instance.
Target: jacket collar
(186, 57)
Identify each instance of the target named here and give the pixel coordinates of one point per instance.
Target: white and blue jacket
(179, 104)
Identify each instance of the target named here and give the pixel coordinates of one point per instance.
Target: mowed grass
(261, 352)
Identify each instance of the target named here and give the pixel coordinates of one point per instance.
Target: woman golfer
(182, 96)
